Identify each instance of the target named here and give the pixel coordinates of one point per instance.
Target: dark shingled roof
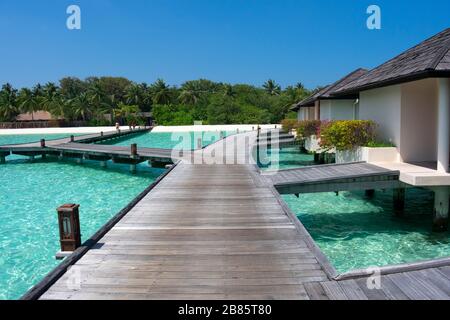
(326, 93)
(431, 58)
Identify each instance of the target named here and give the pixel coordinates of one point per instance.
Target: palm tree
(8, 102)
(81, 106)
(300, 86)
(272, 87)
(189, 96)
(134, 94)
(49, 97)
(28, 102)
(161, 92)
(228, 91)
(96, 94)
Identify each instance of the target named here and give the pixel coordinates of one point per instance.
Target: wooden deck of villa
(222, 231)
(329, 178)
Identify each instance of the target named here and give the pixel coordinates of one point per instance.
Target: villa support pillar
(370, 193)
(443, 125)
(399, 201)
(133, 168)
(103, 164)
(441, 208)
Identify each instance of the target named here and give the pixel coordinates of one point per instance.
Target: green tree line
(196, 100)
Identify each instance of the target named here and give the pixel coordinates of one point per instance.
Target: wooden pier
(220, 231)
(83, 147)
(329, 178)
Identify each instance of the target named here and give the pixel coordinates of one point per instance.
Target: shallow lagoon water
(29, 196)
(167, 140)
(31, 192)
(285, 158)
(27, 138)
(355, 232)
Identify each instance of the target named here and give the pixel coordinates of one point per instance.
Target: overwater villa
(408, 97)
(324, 106)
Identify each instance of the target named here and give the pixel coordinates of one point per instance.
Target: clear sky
(238, 41)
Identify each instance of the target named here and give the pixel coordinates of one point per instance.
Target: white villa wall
(337, 110)
(325, 110)
(384, 106)
(407, 116)
(343, 109)
(305, 114)
(419, 121)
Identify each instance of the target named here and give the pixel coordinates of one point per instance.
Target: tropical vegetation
(103, 100)
(347, 134)
(338, 134)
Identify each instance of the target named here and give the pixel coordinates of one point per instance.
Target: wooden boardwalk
(86, 138)
(115, 152)
(206, 232)
(221, 231)
(329, 178)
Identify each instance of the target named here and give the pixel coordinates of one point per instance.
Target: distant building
(36, 116)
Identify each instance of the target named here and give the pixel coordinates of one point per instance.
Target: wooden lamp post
(69, 227)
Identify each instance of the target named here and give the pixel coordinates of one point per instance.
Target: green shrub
(308, 128)
(347, 134)
(289, 124)
(378, 144)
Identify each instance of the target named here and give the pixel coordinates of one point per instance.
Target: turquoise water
(27, 138)
(286, 158)
(29, 195)
(355, 232)
(164, 140)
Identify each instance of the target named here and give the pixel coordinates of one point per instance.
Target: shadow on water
(351, 215)
(356, 232)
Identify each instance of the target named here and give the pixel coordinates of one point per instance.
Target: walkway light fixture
(69, 227)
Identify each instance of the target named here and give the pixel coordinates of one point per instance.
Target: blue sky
(238, 41)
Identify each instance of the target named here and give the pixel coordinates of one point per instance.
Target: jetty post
(134, 155)
(441, 208)
(399, 201)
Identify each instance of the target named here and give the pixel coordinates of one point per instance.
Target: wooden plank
(352, 290)
(334, 291)
(434, 287)
(410, 288)
(371, 294)
(315, 291)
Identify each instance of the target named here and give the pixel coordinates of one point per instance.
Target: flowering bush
(289, 124)
(347, 134)
(308, 128)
